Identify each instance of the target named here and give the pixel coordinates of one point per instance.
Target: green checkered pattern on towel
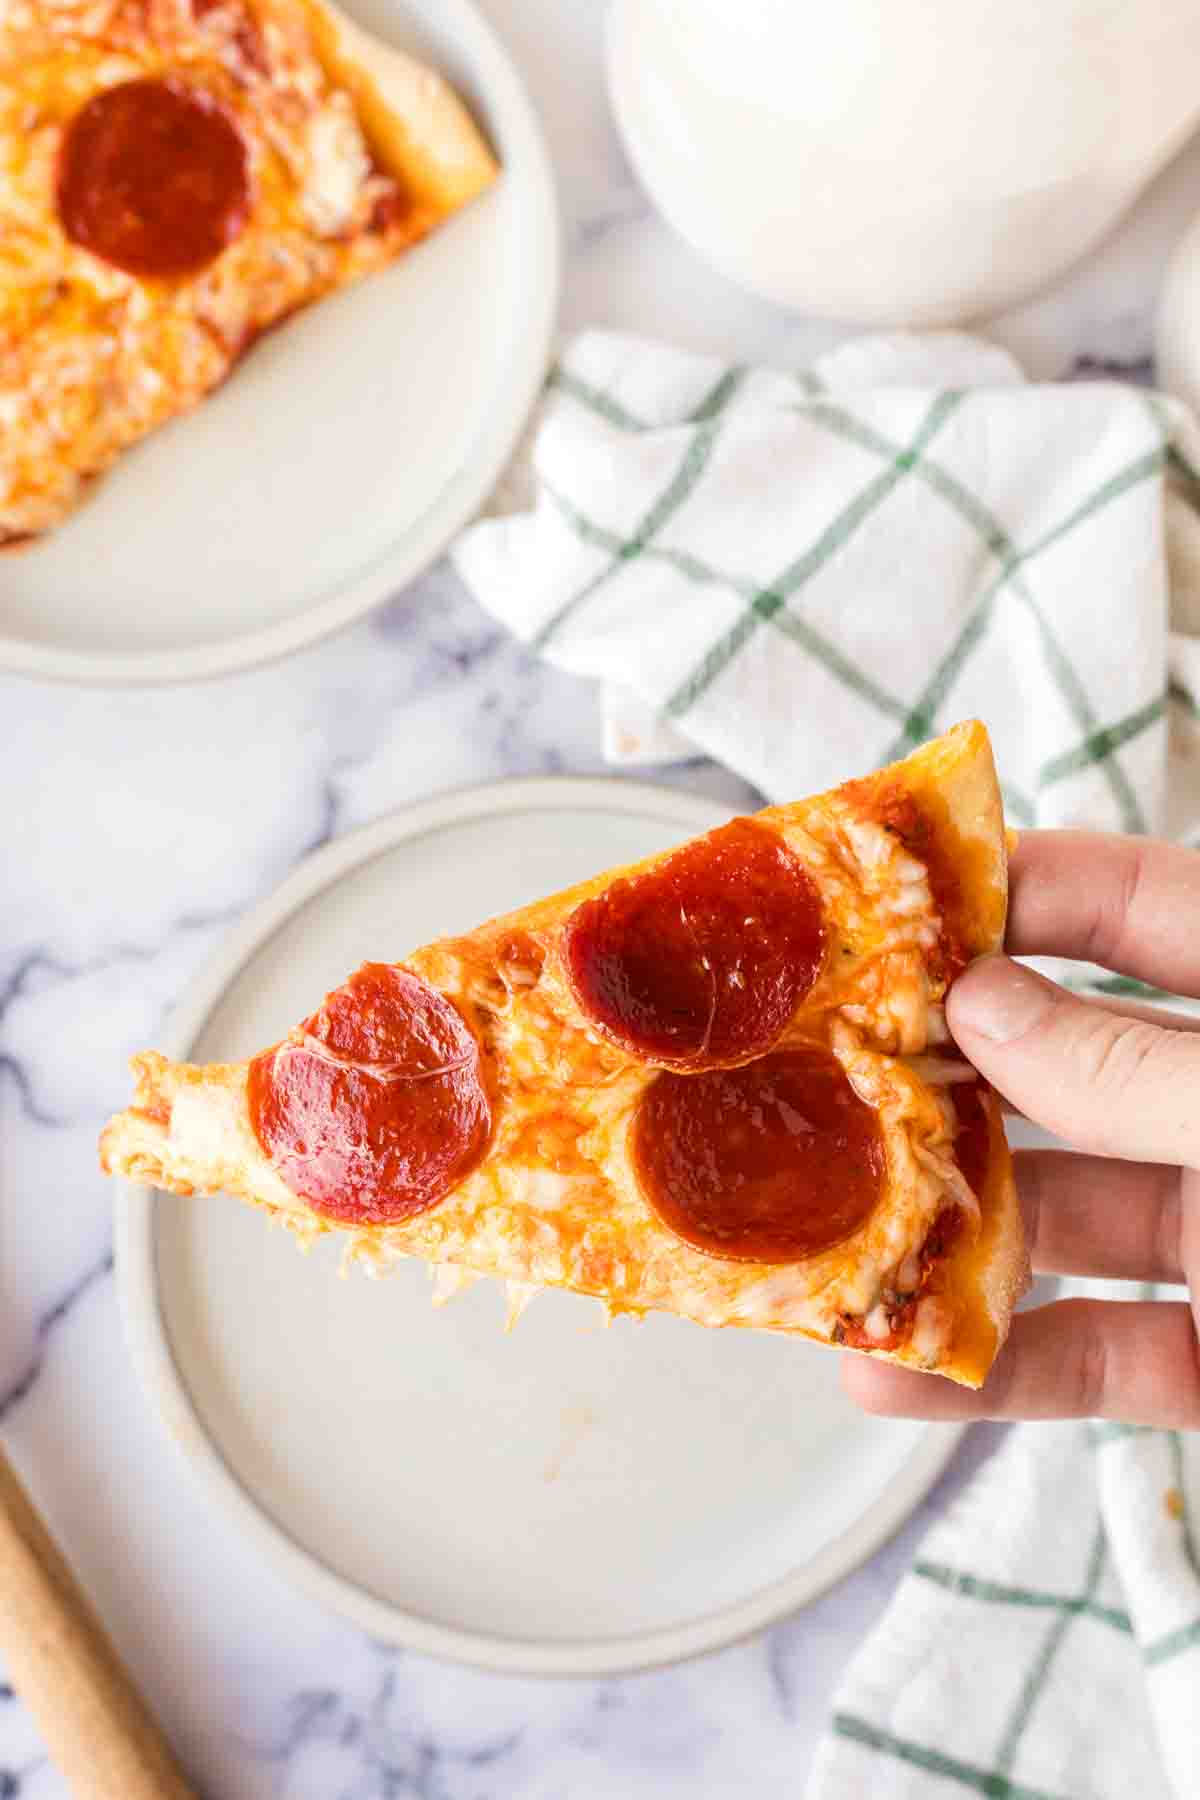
(1071, 1684)
(805, 581)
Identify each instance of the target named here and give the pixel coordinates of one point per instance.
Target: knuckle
(1191, 1421)
(1127, 1086)
(1113, 1052)
(1107, 928)
(1167, 1246)
(1090, 1374)
(1142, 1083)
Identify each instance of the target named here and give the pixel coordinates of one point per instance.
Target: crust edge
(413, 119)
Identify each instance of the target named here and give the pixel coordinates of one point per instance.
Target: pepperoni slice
(704, 959)
(153, 177)
(771, 1162)
(380, 1109)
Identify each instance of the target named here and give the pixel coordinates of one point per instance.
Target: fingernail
(998, 999)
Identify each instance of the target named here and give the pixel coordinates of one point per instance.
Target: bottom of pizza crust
(815, 1160)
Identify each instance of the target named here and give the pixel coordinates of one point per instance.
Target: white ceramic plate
(344, 453)
(568, 1499)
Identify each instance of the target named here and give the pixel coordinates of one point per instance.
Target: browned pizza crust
(414, 121)
(987, 1275)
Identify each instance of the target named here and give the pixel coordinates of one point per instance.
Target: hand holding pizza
(1122, 1084)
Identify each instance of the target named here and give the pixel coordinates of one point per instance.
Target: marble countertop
(139, 825)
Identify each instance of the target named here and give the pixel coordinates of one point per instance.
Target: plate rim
(148, 1338)
(510, 400)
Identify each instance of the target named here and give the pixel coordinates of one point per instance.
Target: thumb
(1121, 1087)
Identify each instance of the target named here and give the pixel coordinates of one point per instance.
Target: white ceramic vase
(901, 161)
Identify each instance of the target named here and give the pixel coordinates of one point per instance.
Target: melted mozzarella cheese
(933, 1329)
(449, 1280)
(337, 167)
(894, 1008)
(212, 1125)
(519, 1294)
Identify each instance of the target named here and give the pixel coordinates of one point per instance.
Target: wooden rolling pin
(94, 1724)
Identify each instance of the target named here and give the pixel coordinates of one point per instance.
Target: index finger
(1134, 1360)
(1130, 904)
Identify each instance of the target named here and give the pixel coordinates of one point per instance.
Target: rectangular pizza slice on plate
(176, 177)
(717, 1083)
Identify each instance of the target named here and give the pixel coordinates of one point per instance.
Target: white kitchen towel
(1045, 1644)
(805, 574)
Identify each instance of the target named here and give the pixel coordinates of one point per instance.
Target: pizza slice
(176, 177)
(716, 1082)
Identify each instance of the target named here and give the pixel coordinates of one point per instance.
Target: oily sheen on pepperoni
(380, 1108)
(153, 177)
(771, 1162)
(703, 959)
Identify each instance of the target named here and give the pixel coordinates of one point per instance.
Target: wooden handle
(93, 1721)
